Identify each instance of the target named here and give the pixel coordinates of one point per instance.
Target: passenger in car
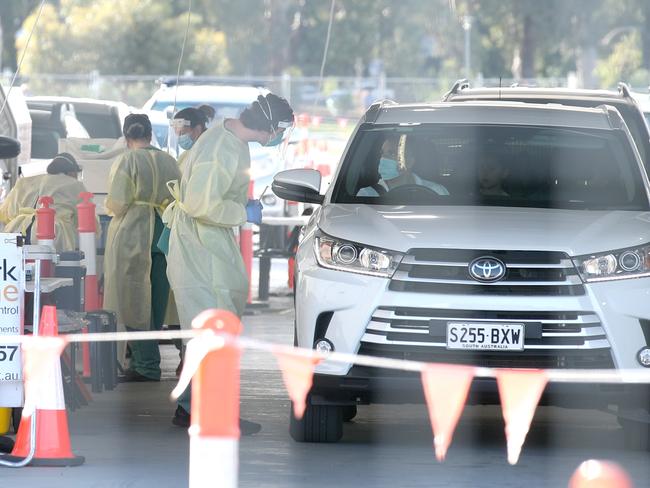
(491, 175)
(395, 169)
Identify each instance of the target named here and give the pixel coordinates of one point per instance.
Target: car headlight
(342, 255)
(616, 265)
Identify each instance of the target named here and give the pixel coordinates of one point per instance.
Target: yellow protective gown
(137, 190)
(181, 160)
(19, 208)
(205, 267)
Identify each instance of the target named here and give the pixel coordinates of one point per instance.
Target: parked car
(622, 100)
(102, 119)
(228, 101)
(555, 258)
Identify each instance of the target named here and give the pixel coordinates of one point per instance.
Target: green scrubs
(145, 355)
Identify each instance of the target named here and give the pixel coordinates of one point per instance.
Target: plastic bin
(70, 266)
(103, 355)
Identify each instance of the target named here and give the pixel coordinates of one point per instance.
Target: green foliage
(412, 38)
(623, 63)
(119, 37)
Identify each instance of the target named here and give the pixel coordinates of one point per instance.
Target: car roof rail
(613, 116)
(624, 90)
(171, 81)
(372, 113)
(458, 85)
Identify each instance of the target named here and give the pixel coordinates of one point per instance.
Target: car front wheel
(320, 423)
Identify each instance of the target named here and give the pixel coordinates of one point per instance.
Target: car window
(101, 125)
(630, 113)
(492, 166)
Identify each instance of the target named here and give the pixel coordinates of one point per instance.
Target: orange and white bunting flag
(298, 374)
(520, 391)
(195, 351)
(445, 389)
(39, 354)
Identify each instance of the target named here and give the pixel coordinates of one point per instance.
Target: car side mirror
(298, 185)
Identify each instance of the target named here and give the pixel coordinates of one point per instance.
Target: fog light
(644, 357)
(324, 346)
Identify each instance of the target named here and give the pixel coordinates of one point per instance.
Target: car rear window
(104, 125)
(487, 165)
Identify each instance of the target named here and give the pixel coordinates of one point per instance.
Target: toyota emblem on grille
(487, 269)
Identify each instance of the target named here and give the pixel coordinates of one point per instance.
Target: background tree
(12, 16)
(406, 38)
(120, 37)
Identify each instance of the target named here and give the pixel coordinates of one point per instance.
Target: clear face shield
(282, 137)
(174, 134)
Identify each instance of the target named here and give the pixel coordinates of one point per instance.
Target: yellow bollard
(5, 420)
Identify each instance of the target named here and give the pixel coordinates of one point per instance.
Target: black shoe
(132, 376)
(246, 427)
(181, 418)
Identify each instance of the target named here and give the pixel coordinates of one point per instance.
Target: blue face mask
(185, 141)
(388, 169)
(277, 139)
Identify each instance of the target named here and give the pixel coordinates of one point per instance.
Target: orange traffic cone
(52, 436)
(600, 474)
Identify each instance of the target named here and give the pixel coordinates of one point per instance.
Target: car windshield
(222, 110)
(492, 166)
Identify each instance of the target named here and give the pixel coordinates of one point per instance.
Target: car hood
(401, 228)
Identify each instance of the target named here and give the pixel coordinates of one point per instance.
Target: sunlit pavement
(128, 440)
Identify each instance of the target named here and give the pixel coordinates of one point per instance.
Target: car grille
(446, 271)
(551, 339)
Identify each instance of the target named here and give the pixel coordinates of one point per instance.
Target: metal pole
(467, 27)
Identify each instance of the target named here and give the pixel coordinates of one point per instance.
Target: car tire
(320, 423)
(636, 435)
(349, 412)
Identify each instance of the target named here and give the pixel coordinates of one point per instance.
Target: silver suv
(493, 234)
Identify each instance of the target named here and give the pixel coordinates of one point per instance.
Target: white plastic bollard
(87, 226)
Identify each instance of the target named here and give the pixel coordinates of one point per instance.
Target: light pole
(467, 27)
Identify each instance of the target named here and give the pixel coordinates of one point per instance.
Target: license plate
(484, 336)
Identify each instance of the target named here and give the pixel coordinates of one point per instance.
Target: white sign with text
(11, 319)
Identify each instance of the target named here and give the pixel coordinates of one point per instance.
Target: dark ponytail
(137, 126)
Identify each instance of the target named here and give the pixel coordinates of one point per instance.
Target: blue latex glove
(254, 212)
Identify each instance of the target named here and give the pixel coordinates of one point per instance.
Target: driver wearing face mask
(395, 170)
